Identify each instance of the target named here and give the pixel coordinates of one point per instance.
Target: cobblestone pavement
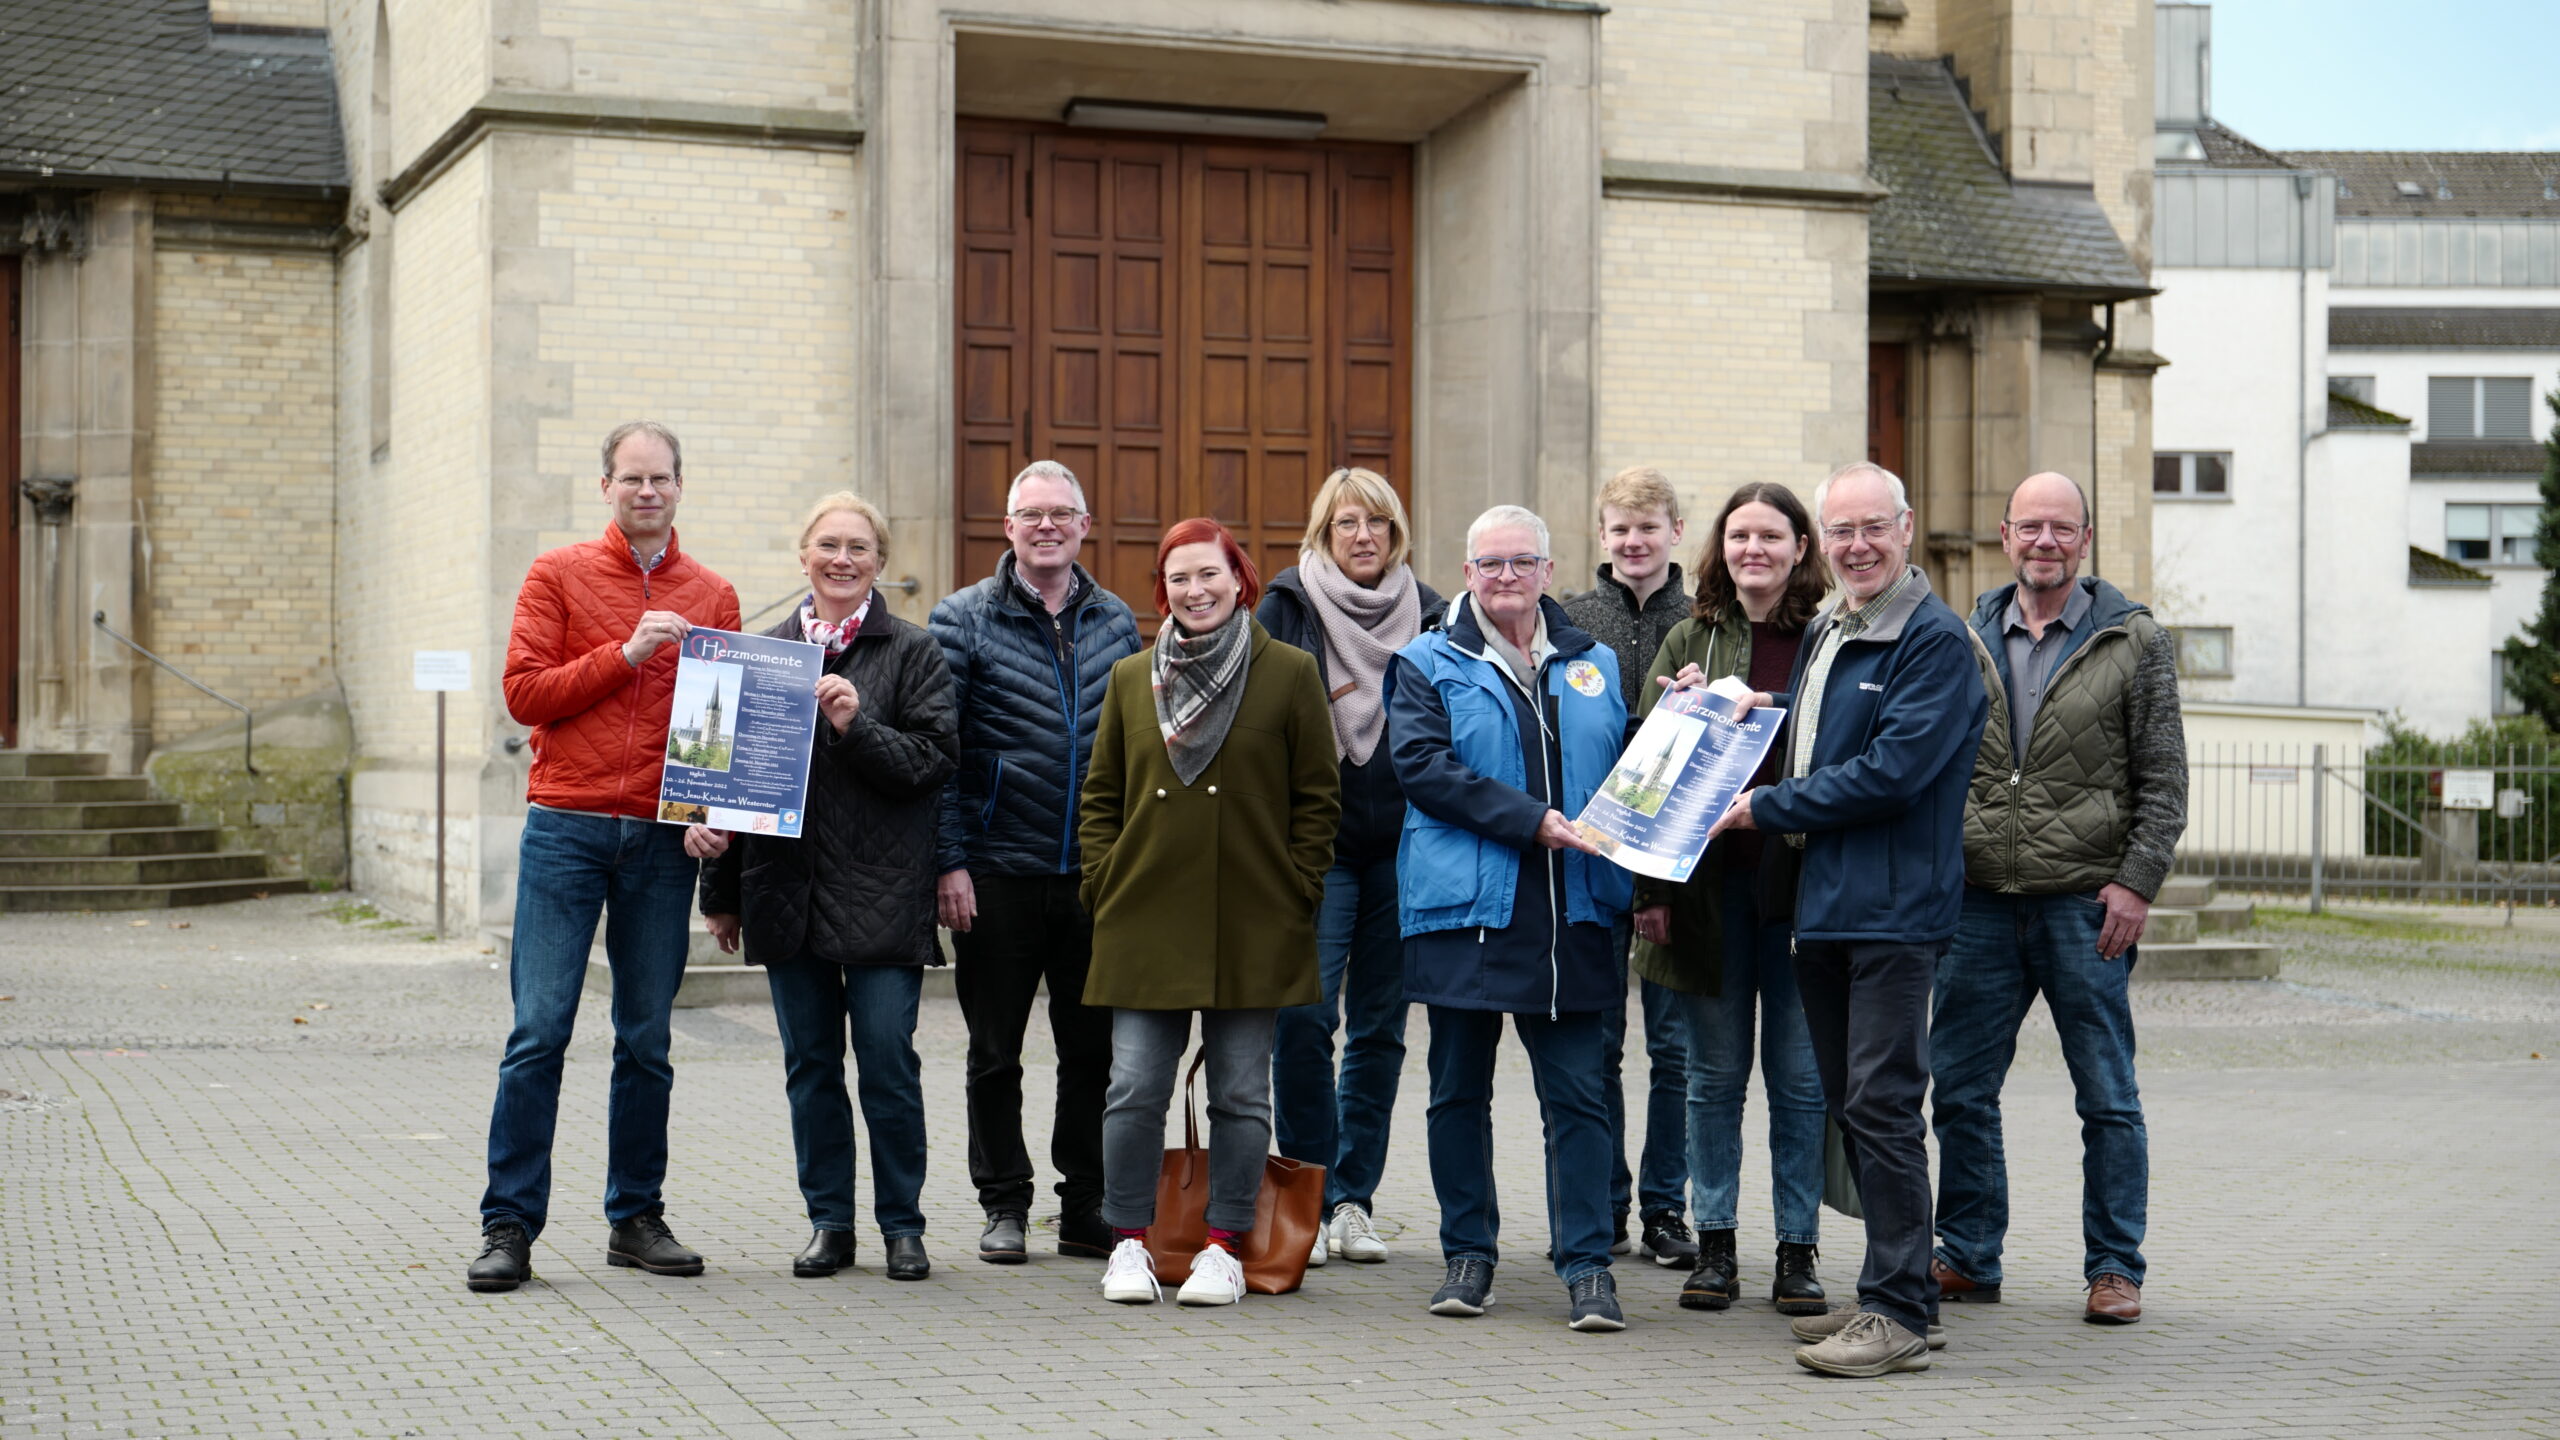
(217, 1221)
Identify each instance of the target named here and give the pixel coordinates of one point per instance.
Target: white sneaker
(1354, 1237)
(1323, 1249)
(1130, 1278)
(1217, 1278)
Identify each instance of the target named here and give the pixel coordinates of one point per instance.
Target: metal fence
(2470, 824)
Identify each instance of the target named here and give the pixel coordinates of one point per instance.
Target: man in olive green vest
(2079, 795)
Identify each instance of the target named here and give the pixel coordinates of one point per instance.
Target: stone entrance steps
(73, 837)
(2175, 944)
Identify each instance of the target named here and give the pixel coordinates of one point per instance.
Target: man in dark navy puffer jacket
(1030, 651)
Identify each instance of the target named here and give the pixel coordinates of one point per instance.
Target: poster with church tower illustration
(739, 732)
(706, 705)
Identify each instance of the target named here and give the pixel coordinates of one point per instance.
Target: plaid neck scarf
(1199, 686)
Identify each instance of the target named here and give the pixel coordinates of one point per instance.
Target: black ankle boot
(506, 1258)
(644, 1242)
(1715, 1283)
(829, 1251)
(1796, 1290)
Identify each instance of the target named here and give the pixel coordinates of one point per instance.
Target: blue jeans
(1662, 1167)
(816, 1004)
(570, 869)
(1360, 959)
(1720, 1034)
(2008, 949)
(1564, 1062)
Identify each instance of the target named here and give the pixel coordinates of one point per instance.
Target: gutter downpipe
(2097, 366)
(2302, 185)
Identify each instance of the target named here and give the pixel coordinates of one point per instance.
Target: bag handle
(1191, 1156)
(1190, 1101)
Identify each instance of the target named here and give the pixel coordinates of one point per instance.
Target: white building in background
(2346, 443)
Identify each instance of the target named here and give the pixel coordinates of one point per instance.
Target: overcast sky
(2389, 74)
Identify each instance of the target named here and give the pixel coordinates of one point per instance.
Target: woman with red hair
(1207, 827)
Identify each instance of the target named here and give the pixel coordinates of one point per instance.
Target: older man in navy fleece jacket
(1885, 711)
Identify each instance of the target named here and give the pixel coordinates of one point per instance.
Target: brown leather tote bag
(1286, 1213)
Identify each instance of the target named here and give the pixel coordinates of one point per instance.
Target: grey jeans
(1146, 1051)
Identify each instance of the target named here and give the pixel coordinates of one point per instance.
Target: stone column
(87, 421)
(2009, 339)
(112, 547)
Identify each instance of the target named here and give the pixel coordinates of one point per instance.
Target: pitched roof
(2426, 567)
(2228, 149)
(1956, 219)
(2346, 412)
(2476, 457)
(2446, 327)
(2452, 184)
(94, 91)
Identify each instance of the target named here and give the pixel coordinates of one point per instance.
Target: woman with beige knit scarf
(1352, 601)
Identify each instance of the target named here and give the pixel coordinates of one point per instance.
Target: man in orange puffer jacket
(591, 666)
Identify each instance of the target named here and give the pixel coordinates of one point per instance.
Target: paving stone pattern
(214, 1221)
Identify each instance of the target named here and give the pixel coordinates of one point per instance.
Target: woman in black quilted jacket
(842, 917)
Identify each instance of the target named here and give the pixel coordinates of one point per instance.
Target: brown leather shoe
(2113, 1300)
(1952, 1286)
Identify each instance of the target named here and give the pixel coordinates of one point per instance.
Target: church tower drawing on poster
(711, 733)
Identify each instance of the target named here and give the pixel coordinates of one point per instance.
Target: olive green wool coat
(1693, 963)
(1203, 896)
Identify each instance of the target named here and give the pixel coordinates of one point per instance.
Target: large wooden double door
(1193, 328)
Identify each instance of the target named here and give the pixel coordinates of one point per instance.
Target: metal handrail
(248, 721)
(2510, 874)
(908, 583)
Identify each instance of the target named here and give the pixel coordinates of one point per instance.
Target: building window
(2204, 652)
(2202, 475)
(2502, 701)
(2479, 407)
(2490, 534)
(2354, 387)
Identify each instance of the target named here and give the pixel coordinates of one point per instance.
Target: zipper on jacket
(1555, 858)
(1075, 730)
(2018, 762)
(631, 716)
(2016, 818)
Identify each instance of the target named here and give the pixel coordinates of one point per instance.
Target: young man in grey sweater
(1638, 599)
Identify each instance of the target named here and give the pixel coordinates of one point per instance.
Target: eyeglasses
(2063, 532)
(1507, 565)
(1347, 527)
(1874, 532)
(1061, 517)
(634, 482)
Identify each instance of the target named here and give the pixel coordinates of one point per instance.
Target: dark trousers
(1866, 1008)
(1564, 1065)
(1030, 929)
(816, 1005)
